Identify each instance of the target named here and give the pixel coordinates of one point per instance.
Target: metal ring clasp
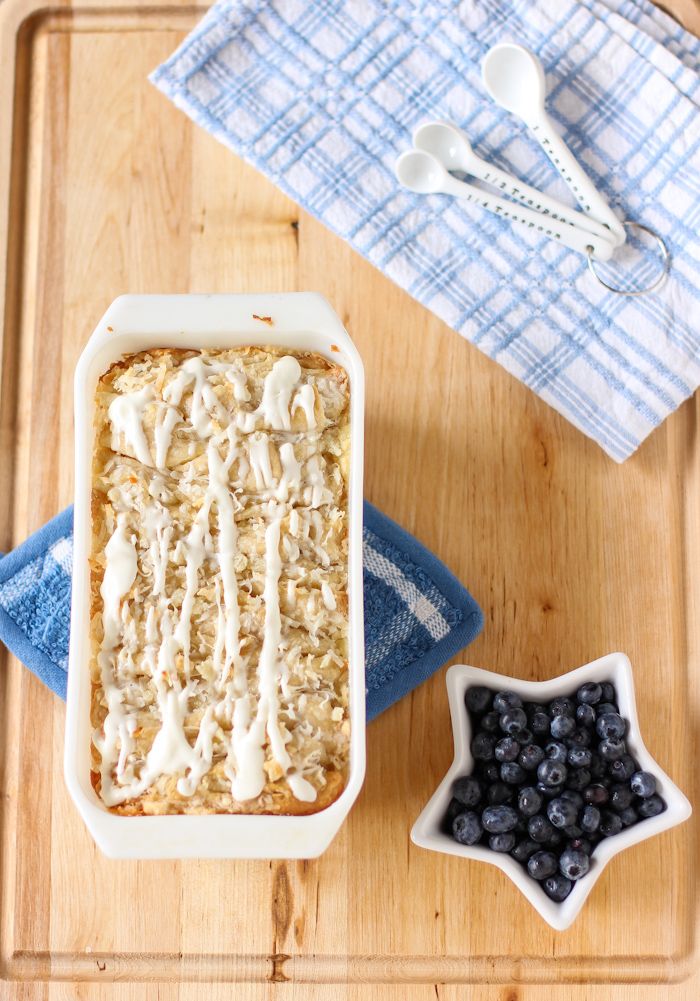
(665, 264)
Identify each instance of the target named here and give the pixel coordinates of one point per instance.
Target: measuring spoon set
(514, 78)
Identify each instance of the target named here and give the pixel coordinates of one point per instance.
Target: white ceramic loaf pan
(302, 321)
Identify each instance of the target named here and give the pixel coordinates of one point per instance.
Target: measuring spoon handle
(525, 218)
(536, 200)
(590, 200)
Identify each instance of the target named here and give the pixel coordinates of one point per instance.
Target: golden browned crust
(312, 583)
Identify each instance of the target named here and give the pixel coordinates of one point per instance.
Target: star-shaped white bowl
(427, 833)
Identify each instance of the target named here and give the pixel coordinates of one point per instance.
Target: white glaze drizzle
(317, 493)
(125, 413)
(193, 561)
(277, 392)
(268, 666)
(167, 419)
(244, 764)
(248, 779)
(304, 399)
(239, 382)
(204, 400)
(291, 472)
(159, 530)
(167, 651)
(220, 627)
(301, 788)
(259, 455)
(218, 491)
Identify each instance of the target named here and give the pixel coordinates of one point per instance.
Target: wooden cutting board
(106, 188)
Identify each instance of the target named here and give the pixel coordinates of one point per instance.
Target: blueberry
(498, 793)
(488, 770)
(596, 794)
(502, 842)
(579, 757)
(467, 790)
(549, 792)
(590, 693)
(539, 828)
(466, 828)
(621, 796)
(605, 708)
(483, 746)
(539, 723)
(542, 864)
(579, 738)
(557, 887)
(507, 749)
(610, 749)
(490, 722)
(562, 707)
(590, 819)
(610, 824)
(530, 757)
(608, 691)
(562, 726)
(506, 700)
(512, 773)
(453, 809)
(628, 816)
(574, 864)
(581, 845)
(573, 797)
(478, 699)
(597, 766)
(622, 768)
(551, 773)
(512, 720)
(523, 736)
(643, 784)
(578, 779)
(524, 849)
(610, 726)
(585, 715)
(562, 812)
(529, 801)
(652, 806)
(498, 819)
(556, 751)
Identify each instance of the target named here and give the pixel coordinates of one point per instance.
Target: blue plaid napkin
(322, 97)
(417, 615)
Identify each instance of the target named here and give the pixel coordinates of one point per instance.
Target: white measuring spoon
(454, 151)
(514, 78)
(423, 173)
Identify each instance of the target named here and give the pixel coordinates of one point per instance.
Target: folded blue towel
(417, 615)
(322, 97)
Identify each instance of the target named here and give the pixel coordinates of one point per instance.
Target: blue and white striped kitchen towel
(322, 97)
(417, 615)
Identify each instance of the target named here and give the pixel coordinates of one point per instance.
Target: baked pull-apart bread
(219, 607)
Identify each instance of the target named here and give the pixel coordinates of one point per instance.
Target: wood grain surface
(106, 188)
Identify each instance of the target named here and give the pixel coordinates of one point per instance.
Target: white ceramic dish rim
(302, 320)
(614, 667)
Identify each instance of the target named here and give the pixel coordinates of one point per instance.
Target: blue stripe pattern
(417, 614)
(322, 97)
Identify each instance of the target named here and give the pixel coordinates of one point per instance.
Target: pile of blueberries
(550, 782)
